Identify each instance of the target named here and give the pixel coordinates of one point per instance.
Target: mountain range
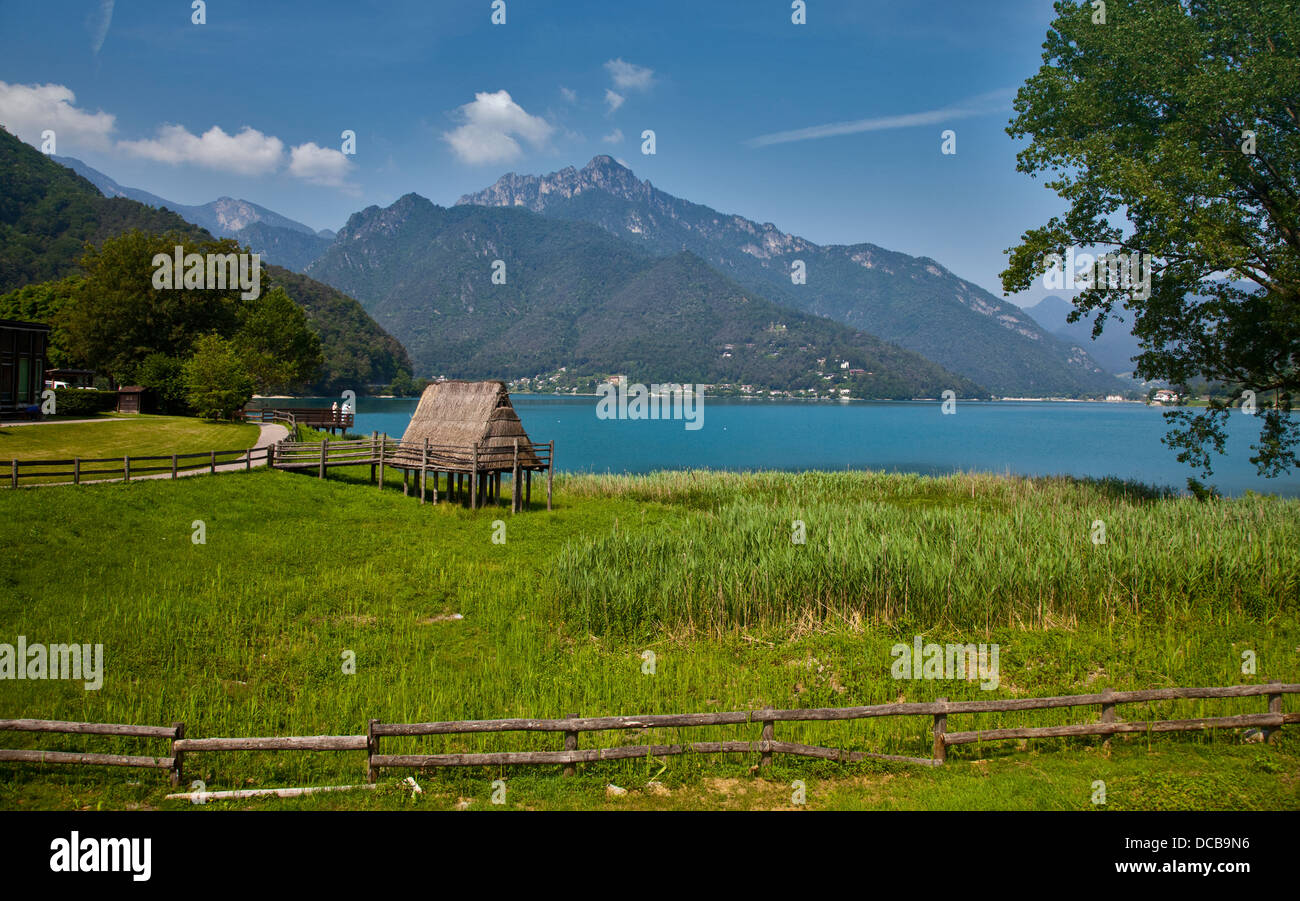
(571, 296)
(911, 301)
(289, 243)
(419, 269)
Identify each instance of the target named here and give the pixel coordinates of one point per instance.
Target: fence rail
(73, 471)
(766, 745)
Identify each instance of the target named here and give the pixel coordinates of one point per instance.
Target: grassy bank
(246, 634)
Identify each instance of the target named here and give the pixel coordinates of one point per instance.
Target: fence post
(372, 745)
(528, 489)
(550, 470)
(424, 470)
(768, 735)
(126, 468)
(1107, 712)
(383, 451)
(248, 459)
(1274, 706)
(571, 744)
(76, 470)
(13, 469)
(212, 463)
(374, 438)
(178, 757)
(324, 445)
(940, 727)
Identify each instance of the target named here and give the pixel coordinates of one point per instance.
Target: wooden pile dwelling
(470, 432)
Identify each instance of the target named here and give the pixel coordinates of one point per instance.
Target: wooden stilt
(514, 480)
(528, 489)
(474, 480)
(550, 472)
(424, 470)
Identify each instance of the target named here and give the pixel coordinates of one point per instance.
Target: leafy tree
(276, 344)
(43, 303)
(1171, 128)
(165, 377)
(217, 382)
(119, 317)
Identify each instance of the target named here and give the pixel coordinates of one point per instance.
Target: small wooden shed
(130, 399)
(470, 429)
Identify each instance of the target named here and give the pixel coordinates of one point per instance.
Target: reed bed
(959, 552)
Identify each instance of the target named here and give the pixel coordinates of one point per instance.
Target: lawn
(136, 435)
(248, 633)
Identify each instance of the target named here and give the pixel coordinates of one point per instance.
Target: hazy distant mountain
(575, 296)
(911, 301)
(1115, 348)
(278, 238)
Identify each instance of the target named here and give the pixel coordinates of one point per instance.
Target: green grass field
(137, 435)
(246, 634)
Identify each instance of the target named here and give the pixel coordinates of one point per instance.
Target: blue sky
(136, 90)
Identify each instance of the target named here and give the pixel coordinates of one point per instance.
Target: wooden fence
(125, 468)
(767, 745)
(312, 417)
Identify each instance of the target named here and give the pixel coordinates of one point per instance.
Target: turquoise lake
(1024, 438)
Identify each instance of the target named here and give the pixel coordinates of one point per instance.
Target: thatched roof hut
(456, 415)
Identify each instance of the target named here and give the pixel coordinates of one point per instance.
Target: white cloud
(614, 137)
(629, 77)
(492, 122)
(319, 165)
(569, 95)
(99, 25)
(615, 100)
(27, 110)
(248, 153)
(995, 101)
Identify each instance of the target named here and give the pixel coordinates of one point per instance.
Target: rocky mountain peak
(603, 173)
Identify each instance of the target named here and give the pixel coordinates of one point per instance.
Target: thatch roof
(456, 415)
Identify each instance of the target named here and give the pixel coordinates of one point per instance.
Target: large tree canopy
(117, 321)
(1172, 128)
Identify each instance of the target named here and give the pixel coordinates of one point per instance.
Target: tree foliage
(1173, 129)
(276, 344)
(217, 382)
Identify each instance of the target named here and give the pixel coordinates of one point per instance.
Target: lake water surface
(1025, 438)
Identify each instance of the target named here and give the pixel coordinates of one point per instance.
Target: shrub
(83, 401)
